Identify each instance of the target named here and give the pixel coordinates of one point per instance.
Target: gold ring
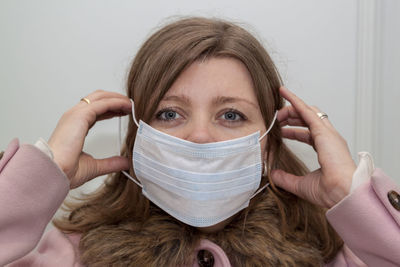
(86, 100)
(322, 115)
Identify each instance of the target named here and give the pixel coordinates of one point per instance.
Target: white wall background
(52, 53)
(388, 154)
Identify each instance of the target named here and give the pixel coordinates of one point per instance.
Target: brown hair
(120, 224)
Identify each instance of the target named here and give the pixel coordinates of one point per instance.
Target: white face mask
(198, 184)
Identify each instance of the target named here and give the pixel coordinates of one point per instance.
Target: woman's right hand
(68, 138)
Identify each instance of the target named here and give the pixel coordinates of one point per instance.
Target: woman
(204, 146)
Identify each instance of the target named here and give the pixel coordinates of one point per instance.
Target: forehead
(212, 78)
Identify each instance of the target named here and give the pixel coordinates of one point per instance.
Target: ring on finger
(322, 115)
(86, 100)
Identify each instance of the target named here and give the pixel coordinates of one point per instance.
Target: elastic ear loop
(265, 186)
(120, 142)
(269, 129)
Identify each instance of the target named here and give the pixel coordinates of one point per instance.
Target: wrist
(44, 147)
(344, 188)
(57, 158)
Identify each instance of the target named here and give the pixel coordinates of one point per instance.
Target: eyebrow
(216, 101)
(228, 99)
(179, 98)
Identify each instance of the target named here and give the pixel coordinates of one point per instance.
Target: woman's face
(212, 100)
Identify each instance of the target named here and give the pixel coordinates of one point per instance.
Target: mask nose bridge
(137, 124)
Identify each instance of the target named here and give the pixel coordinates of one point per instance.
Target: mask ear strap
(120, 142)
(119, 126)
(259, 190)
(270, 127)
(133, 179)
(133, 113)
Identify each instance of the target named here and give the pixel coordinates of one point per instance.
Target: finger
(101, 94)
(301, 135)
(289, 116)
(112, 164)
(293, 122)
(305, 112)
(326, 121)
(287, 112)
(107, 107)
(287, 181)
(110, 115)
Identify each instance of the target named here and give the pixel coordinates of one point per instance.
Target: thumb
(287, 181)
(111, 164)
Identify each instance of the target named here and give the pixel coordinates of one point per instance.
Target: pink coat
(32, 188)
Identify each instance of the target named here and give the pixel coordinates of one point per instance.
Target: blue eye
(232, 116)
(168, 115)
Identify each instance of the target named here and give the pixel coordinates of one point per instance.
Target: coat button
(394, 199)
(205, 258)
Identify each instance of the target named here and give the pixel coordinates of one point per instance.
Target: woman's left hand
(329, 184)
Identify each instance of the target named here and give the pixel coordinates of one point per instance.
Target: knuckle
(317, 132)
(89, 116)
(68, 113)
(97, 92)
(98, 169)
(296, 188)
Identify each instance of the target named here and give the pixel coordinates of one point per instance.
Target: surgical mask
(198, 184)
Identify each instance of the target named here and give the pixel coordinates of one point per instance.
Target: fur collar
(252, 239)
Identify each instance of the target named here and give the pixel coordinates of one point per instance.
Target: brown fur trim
(255, 239)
